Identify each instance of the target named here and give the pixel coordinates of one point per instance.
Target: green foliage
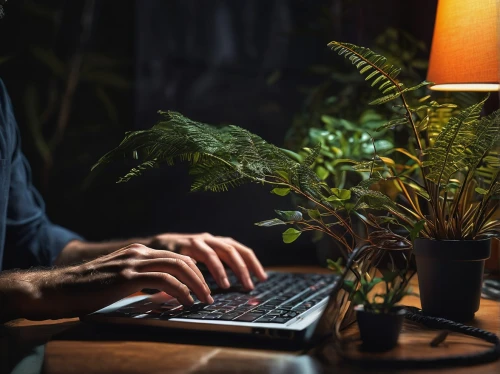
(224, 157)
(290, 235)
(334, 114)
(220, 157)
(447, 165)
(344, 143)
(363, 291)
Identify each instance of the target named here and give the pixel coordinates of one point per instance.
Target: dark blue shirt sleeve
(31, 239)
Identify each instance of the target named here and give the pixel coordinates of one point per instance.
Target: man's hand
(77, 290)
(212, 251)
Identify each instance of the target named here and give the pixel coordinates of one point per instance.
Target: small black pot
(450, 275)
(379, 331)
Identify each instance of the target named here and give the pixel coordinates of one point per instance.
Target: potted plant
(223, 157)
(450, 188)
(379, 318)
(335, 113)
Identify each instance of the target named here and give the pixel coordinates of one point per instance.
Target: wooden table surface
(74, 347)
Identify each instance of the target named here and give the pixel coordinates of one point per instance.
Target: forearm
(77, 251)
(15, 292)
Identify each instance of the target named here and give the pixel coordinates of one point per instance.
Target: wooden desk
(91, 354)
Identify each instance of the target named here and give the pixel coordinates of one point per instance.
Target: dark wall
(243, 62)
(213, 61)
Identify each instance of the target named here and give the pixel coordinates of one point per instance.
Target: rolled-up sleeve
(31, 239)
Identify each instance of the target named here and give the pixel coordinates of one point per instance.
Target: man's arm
(73, 291)
(77, 251)
(213, 251)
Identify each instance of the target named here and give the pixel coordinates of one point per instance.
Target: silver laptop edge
(304, 323)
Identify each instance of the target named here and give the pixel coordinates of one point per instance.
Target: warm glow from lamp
(466, 46)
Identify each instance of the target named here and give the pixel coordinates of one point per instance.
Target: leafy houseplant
(452, 202)
(334, 113)
(449, 191)
(379, 319)
(229, 156)
(343, 143)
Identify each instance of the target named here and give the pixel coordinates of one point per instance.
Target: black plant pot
(450, 275)
(379, 331)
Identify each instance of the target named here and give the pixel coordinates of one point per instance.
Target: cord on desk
(415, 315)
(491, 289)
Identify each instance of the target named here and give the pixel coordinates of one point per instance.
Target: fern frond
(220, 158)
(374, 66)
(461, 144)
(138, 170)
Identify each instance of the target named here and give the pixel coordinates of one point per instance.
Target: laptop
(287, 306)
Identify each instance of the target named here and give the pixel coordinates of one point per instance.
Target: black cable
(415, 315)
(491, 289)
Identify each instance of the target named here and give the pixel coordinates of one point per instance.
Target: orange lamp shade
(466, 46)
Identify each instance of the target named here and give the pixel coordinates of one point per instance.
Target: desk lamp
(465, 55)
(466, 46)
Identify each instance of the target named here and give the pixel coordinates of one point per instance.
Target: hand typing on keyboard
(215, 252)
(281, 298)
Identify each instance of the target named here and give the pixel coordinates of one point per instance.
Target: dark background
(244, 62)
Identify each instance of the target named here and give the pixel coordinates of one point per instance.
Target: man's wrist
(160, 242)
(16, 291)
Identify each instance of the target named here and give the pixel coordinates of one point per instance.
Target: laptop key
(248, 317)
(168, 315)
(229, 316)
(194, 316)
(213, 316)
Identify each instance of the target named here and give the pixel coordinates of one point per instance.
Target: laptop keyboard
(282, 297)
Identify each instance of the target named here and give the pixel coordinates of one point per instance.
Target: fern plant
(449, 188)
(456, 192)
(224, 157)
(364, 291)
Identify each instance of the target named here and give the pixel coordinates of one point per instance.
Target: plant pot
(379, 331)
(450, 275)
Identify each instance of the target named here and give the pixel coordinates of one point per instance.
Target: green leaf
(341, 194)
(358, 298)
(283, 174)
(369, 286)
(293, 155)
(270, 222)
(462, 143)
(322, 172)
(289, 215)
(281, 191)
(385, 99)
(314, 214)
(415, 231)
(383, 74)
(349, 286)
(481, 191)
(393, 123)
(334, 265)
(291, 235)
